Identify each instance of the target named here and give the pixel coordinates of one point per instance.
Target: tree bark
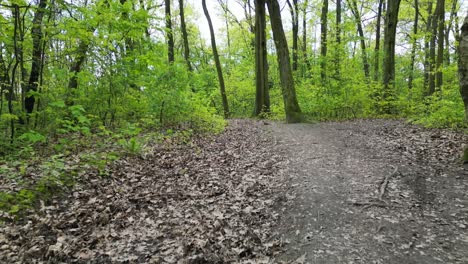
(304, 39)
(262, 96)
(414, 40)
(169, 33)
(440, 43)
(323, 41)
(427, 46)
(377, 42)
(338, 41)
(294, 10)
(217, 62)
(391, 22)
(291, 106)
(463, 65)
(357, 17)
(437, 40)
(36, 33)
(183, 28)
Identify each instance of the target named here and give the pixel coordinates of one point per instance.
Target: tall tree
(262, 96)
(377, 41)
(437, 39)
(357, 17)
(304, 37)
(463, 65)
(183, 28)
(294, 10)
(414, 43)
(391, 21)
(427, 46)
(37, 53)
(338, 40)
(291, 106)
(169, 33)
(323, 41)
(217, 61)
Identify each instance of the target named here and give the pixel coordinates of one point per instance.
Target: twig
(383, 185)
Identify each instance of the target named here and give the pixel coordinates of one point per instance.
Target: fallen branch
(369, 204)
(384, 184)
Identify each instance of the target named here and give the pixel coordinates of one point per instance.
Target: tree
(262, 96)
(217, 61)
(414, 40)
(463, 65)
(391, 20)
(323, 41)
(294, 10)
(183, 28)
(377, 42)
(338, 40)
(291, 106)
(437, 39)
(37, 53)
(169, 34)
(357, 17)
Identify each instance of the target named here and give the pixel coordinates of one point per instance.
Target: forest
(90, 88)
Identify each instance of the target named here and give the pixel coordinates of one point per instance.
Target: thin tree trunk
(427, 46)
(338, 41)
(377, 42)
(217, 62)
(304, 39)
(414, 40)
(169, 34)
(36, 33)
(440, 44)
(262, 97)
(294, 10)
(291, 106)
(437, 39)
(183, 28)
(463, 65)
(323, 41)
(391, 22)
(362, 40)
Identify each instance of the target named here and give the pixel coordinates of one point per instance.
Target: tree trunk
(338, 41)
(291, 106)
(357, 16)
(463, 65)
(183, 28)
(377, 42)
(323, 41)
(36, 33)
(414, 40)
(437, 39)
(304, 40)
(217, 62)
(440, 43)
(294, 10)
(391, 21)
(427, 45)
(169, 34)
(262, 97)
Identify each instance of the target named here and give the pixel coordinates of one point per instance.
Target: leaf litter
(210, 201)
(363, 191)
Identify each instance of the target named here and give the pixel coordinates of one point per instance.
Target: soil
(373, 191)
(363, 191)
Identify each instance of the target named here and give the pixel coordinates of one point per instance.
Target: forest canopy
(90, 66)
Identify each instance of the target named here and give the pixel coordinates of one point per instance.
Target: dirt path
(338, 172)
(374, 191)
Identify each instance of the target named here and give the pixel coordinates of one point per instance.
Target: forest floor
(364, 191)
